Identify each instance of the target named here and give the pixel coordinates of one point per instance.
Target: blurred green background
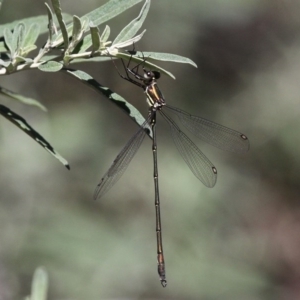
(239, 240)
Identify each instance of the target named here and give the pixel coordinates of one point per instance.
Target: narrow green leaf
(51, 66)
(62, 24)
(21, 98)
(2, 47)
(91, 59)
(116, 99)
(52, 30)
(41, 20)
(31, 36)
(23, 125)
(77, 30)
(104, 13)
(18, 36)
(133, 27)
(129, 42)
(146, 63)
(166, 57)
(5, 64)
(51, 25)
(29, 48)
(8, 37)
(50, 57)
(20, 59)
(105, 34)
(77, 34)
(109, 10)
(95, 38)
(39, 286)
(85, 23)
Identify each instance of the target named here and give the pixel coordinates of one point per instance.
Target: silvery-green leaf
(20, 59)
(102, 14)
(95, 37)
(51, 24)
(57, 9)
(146, 63)
(116, 99)
(21, 98)
(41, 20)
(105, 34)
(39, 286)
(85, 23)
(109, 10)
(93, 59)
(8, 37)
(77, 30)
(2, 47)
(49, 57)
(51, 66)
(31, 36)
(129, 42)
(133, 27)
(23, 125)
(29, 48)
(5, 63)
(18, 36)
(166, 57)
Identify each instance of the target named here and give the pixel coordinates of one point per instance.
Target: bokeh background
(239, 240)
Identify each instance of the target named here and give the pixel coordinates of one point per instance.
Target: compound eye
(156, 74)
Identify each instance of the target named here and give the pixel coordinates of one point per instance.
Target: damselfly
(208, 131)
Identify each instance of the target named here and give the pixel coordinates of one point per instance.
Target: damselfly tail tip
(68, 166)
(163, 282)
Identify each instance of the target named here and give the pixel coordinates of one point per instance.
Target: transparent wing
(212, 133)
(121, 162)
(199, 164)
(23, 125)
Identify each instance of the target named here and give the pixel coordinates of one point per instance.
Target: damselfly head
(131, 52)
(152, 75)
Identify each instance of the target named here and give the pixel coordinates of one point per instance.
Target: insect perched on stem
(208, 131)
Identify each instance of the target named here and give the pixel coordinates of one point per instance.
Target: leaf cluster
(73, 39)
